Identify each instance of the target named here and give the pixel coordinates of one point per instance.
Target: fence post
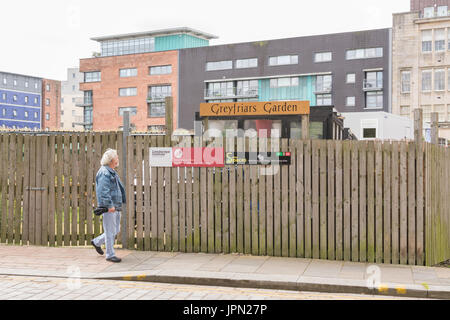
(126, 133)
(434, 128)
(305, 127)
(418, 125)
(169, 121)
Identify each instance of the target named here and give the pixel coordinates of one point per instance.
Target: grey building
(348, 71)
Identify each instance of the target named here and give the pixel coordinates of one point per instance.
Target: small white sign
(161, 157)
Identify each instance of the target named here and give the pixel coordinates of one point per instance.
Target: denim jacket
(110, 190)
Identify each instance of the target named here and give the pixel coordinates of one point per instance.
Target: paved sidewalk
(228, 270)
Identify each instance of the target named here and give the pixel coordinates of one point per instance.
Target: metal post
(418, 125)
(434, 128)
(126, 133)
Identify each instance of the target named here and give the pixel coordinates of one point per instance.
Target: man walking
(110, 194)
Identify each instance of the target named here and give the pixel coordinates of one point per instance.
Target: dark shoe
(114, 259)
(98, 249)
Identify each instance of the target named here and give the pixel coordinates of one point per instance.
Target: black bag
(101, 210)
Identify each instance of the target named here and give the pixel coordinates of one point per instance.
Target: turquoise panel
(178, 41)
(303, 92)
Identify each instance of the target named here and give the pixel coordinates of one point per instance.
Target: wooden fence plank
(269, 207)
(276, 202)
(218, 202)
(331, 225)
(225, 207)
(323, 199)
(347, 201)
(160, 234)
(262, 173)
(59, 190)
(139, 192)
(395, 179)
(411, 204)
(231, 142)
(315, 200)
(253, 147)
(189, 204)
(147, 195)
(38, 194)
(45, 192)
(420, 202)
(19, 189)
(339, 202)
(74, 189)
(300, 200)
(32, 194)
(66, 186)
(354, 201)
(363, 202)
(203, 207)
(52, 192)
(131, 208)
(83, 191)
(247, 206)
(154, 205)
(387, 202)
(175, 203)
(308, 198)
(95, 167)
(168, 205)
(292, 199)
(371, 202)
(284, 203)
(26, 193)
(4, 181)
(379, 202)
(11, 183)
(196, 202)
(210, 208)
(403, 204)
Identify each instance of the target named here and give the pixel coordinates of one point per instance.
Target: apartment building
(71, 115)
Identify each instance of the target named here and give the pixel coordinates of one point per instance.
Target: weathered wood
(147, 195)
(160, 234)
(4, 183)
(189, 203)
(308, 198)
(253, 147)
(203, 206)
(232, 198)
(395, 181)
(370, 202)
(131, 208)
(378, 202)
(45, 192)
(270, 170)
(411, 204)
(210, 208)
(420, 194)
(168, 232)
(315, 200)
(26, 192)
(38, 194)
(403, 204)
(218, 202)
(292, 200)
(284, 204)
(347, 201)
(387, 202)
(247, 212)
(59, 190)
(354, 201)
(339, 202)
(323, 200)
(331, 226)
(300, 193)
(19, 189)
(154, 206)
(11, 180)
(96, 165)
(139, 190)
(276, 201)
(196, 201)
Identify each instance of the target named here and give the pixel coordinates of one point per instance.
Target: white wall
(389, 126)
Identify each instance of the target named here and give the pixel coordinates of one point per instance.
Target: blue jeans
(111, 227)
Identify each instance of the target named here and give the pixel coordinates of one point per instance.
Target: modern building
(135, 72)
(71, 115)
(348, 71)
(421, 62)
(51, 104)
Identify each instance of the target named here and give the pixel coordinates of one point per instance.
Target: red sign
(198, 157)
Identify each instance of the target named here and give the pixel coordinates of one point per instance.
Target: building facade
(421, 62)
(349, 71)
(135, 72)
(51, 104)
(20, 101)
(71, 115)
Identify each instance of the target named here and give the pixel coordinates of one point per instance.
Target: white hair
(109, 155)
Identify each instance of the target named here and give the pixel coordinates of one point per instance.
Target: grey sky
(43, 38)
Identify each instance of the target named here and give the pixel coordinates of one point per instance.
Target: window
(4, 81)
(14, 113)
(127, 46)
(442, 11)
(323, 57)
(4, 96)
(427, 38)
(47, 116)
(350, 102)
(36, 100)
(47, 102)
(374, 80)
(73, 75)
(127, 92)
(324, 100)
(247, 87)
(405, 111)
(62, 112)
(283, 82)
(126, 73)
(35, 85)
(73, 113)
(26, 84)
(15, 98)
(74, 88)
(4, 112)
(26, 100)
(406, 81)
(15, 83)
(324, 83)
(428, 12)
(351, 78)
(74, 100)
(157, 106)
(159, 92)
(369, 133)
(35, 115)
(426, 80)
(283, 60)
(26, 114)
(439, 80)
(132, 110)
(439, 40)
(374, 99)
(246, 63)
(219, 65)
(92, 76)
(220, 89)
(364, 53)
(47, 87)
(157, 110)
(160, 70)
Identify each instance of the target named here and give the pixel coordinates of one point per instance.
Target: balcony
(231, 93)
(370, 85)
(83, 102)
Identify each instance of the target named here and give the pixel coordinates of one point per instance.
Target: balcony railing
(231, 93)
(370, 85)
(83, 102)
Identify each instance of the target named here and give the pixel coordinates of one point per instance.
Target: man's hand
(112, 210)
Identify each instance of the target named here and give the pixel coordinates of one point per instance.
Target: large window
(247, 87)
(159, 92)
(406, 81)
(428, 12)
(283, 82)
(246, 63)
(364, 53)
(92, 76)
(442, 11)
(160, 70)
(439, 80)
(157, 110)
(439, 40)
(426, 80)
(374, 80)
(323, 56)
(219, 65)
(324, 100)
(88, 120)
(427, 40)
(220, 89)
(126, 73)
(127, 92)
(283, 60)
(324, 83)
(127, 46)
(132, 110)
(374, 99)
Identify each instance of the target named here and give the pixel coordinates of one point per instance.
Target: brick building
(51, 104)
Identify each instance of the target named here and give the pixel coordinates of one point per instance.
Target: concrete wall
(193, 72)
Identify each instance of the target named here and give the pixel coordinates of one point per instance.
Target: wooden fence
(384, 202)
